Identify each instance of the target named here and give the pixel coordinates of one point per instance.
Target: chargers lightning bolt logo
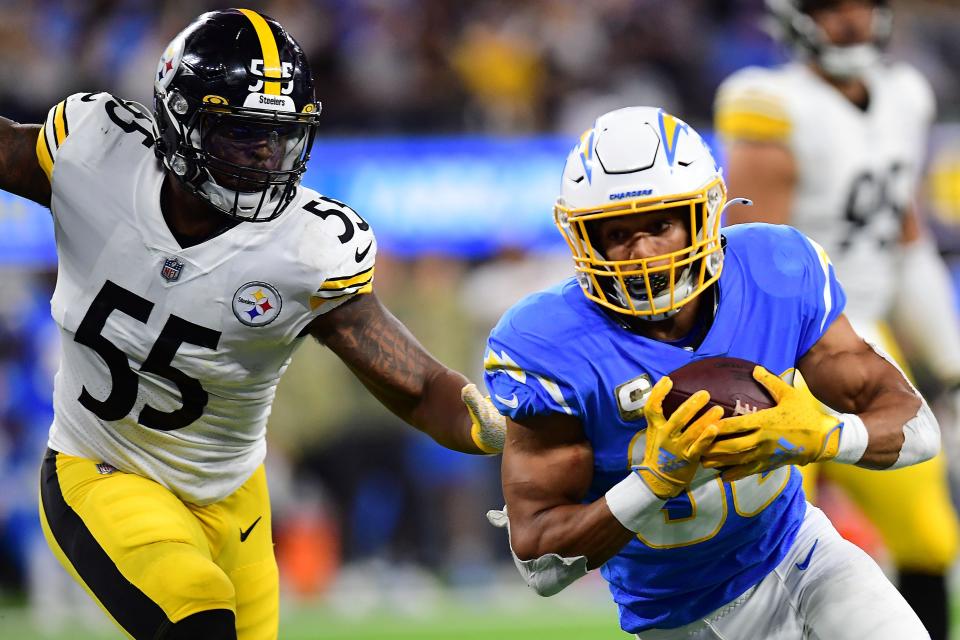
(670, 129)
(784, 452)
(669, 462)
(586, 152)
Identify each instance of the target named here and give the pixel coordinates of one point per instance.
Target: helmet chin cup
(244, 204)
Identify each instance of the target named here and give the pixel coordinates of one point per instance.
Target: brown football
(729, 381)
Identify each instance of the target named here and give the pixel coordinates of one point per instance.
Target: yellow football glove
(796, 431)
(489, 427)
(673, 449)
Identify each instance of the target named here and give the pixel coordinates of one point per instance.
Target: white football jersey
(857, 170)
(171, 356)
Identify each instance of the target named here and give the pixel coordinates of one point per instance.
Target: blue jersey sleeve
(825, 299)
(526, 371)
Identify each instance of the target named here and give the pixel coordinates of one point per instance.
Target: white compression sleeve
(921, 438)
(921, 433)
(547, 575)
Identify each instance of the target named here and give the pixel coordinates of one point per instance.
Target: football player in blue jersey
(698, 523)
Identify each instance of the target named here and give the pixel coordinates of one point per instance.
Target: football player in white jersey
(192, 262)
(833, 144)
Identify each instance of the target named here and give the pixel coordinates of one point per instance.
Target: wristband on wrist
(853, 439)
(631, 501)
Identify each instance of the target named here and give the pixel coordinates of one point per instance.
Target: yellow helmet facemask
(656, 287)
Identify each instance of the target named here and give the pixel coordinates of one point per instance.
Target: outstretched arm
(397, 370)
(20, 171)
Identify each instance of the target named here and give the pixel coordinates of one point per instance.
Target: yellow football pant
(910, 507)
(150, 560)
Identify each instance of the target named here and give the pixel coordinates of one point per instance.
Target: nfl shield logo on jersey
(171, 269)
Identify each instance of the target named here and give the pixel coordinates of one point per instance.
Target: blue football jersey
(558, 352)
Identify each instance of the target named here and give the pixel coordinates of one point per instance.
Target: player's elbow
(525, 544)
(927, 441)
(921, 438)
(550, 573)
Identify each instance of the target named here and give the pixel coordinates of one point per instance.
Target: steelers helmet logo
(256, 304)
(169, 63)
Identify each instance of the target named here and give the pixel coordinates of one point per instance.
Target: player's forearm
(885, 423)
(397, 370)
(900, 431)
(433, 406)
(441, 414)
(570, 531)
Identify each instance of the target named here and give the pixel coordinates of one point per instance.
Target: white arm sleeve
(630, 501)
(547, 575)
(921, 433)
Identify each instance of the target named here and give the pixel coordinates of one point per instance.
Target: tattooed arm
(397, 370)
(20, 171)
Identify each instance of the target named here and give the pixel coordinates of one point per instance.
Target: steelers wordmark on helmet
(256, 304)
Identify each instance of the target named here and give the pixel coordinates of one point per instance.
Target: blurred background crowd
(430, 66)
(359, 497)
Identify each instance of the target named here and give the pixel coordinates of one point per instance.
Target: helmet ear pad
(171, 147)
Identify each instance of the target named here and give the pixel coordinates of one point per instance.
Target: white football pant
(826, 588)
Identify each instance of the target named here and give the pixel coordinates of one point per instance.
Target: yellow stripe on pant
(149, 559)
(910, 507)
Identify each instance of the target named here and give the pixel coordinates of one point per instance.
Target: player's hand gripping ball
(767, 422)
(674, 444)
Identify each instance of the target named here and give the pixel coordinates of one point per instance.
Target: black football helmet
(236, 113)
(791, 24)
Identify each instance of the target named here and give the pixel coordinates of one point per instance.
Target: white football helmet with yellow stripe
(635, 161)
